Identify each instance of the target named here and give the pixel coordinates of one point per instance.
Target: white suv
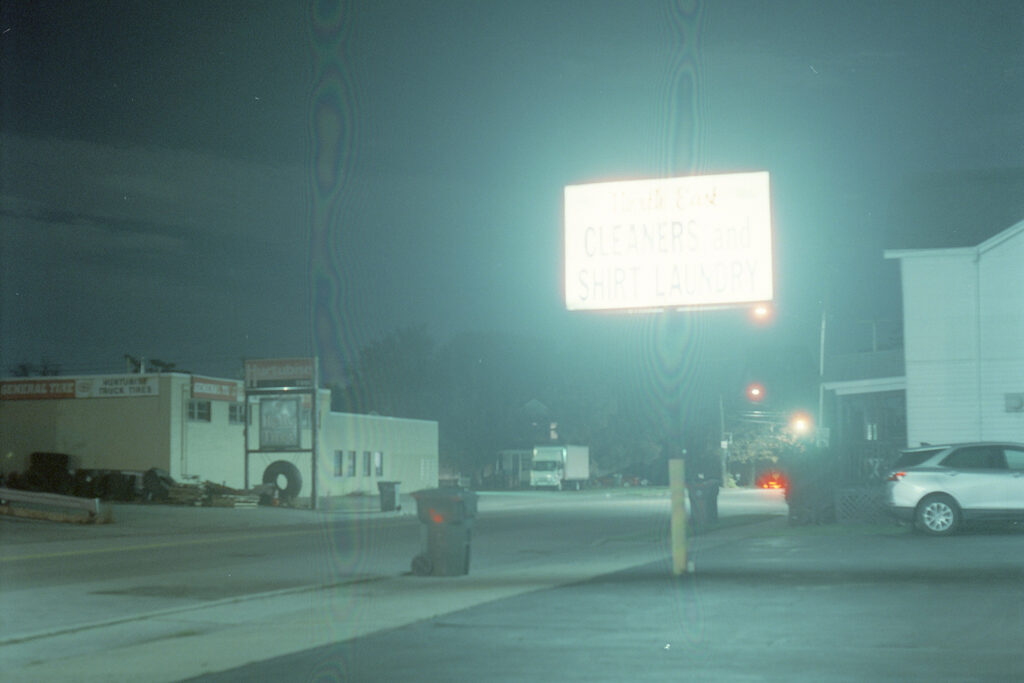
(938, 487)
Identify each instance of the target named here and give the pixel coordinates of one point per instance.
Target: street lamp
(764, 312)
(800, 424)
(761, 312)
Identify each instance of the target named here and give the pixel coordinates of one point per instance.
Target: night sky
(202, 181)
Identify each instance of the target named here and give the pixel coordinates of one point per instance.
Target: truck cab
(560, 467)
(546, 472)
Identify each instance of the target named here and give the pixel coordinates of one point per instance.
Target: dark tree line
(490, 392)
(44, 368)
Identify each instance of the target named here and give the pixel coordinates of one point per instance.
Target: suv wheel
(937, 515)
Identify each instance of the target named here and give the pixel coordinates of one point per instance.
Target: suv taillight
(896, 476)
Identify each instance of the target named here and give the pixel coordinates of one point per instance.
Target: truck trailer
(560, 467)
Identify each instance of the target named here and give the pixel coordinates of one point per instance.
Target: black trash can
(389, 495)
(447, 516)
(713, 487)
(699, 491)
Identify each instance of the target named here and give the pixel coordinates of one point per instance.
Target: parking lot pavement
(765, 603)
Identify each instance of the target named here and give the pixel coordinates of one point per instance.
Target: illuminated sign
(668, 243)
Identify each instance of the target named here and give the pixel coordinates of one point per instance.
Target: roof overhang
(867, 386)
(987, 245)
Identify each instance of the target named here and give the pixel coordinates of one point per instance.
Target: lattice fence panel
(861, 504)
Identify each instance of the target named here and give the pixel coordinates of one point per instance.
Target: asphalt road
(164, 592)
(567, 586)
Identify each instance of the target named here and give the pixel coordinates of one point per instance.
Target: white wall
(213, 451)
(941, 346)
(409, 449)
(964, 340)
(1002, 343)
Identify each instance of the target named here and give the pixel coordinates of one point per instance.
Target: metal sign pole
(677, 490)
(314, 451)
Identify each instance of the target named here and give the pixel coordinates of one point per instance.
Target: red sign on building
(36, 389)
(215, 389)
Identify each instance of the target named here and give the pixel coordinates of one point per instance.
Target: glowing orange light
(436, 516)
(755, 392)
(800, 424)
(761, 313)
(772, 480)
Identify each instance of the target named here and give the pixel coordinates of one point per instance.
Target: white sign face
(117, 386)
(215, 389)
(279, 423)
(668, 243)
(109, 386)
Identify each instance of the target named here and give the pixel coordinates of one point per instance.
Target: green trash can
(389, 495)
(447, 516)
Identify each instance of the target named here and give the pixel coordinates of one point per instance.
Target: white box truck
(560, 467)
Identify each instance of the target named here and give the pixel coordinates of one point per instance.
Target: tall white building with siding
(963, 317)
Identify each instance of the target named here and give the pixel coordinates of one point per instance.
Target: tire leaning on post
(288, 470)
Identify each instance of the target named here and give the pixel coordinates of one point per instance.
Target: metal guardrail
(93, 507)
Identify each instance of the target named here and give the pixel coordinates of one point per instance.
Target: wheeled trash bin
(447, 516)
(389, 495)
(703, 495)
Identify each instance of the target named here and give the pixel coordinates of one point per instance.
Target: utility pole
(723, 444)
(821, 370)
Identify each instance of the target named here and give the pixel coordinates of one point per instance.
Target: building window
(351, 464)
(199, 411)
(339, 463)
(236, 414)
(367, 463)
(378, 463)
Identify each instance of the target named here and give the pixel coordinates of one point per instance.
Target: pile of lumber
(226, 497)
(160, 487)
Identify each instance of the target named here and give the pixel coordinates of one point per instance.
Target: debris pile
(158, 486)
(56, 473)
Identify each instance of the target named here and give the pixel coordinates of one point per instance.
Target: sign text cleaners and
(676, 242)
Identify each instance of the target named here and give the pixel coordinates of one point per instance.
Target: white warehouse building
(195, 427)
(963, 318)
